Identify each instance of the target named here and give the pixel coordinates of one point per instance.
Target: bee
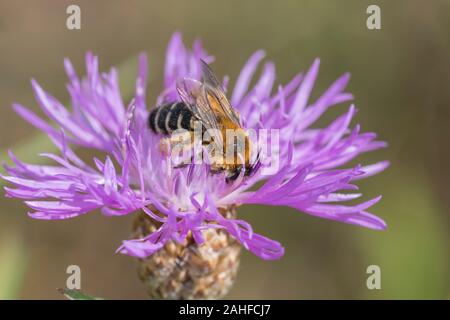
(205, 101)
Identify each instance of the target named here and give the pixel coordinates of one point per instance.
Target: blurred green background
(401, 81)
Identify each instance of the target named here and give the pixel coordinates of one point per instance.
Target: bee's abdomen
(169, 117)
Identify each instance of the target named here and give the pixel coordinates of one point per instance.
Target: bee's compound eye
(234, 174)
(249, 170)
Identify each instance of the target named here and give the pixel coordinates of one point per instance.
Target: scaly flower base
(188, 270)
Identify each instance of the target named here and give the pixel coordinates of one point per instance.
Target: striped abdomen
(169, 117)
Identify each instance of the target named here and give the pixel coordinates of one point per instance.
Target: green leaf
(76, 295)
(29, 149)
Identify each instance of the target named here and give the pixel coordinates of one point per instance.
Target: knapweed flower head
(135, 176)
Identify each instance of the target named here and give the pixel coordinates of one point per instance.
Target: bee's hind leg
(181, 147)
(165, 146)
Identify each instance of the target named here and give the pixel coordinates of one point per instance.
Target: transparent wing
(216, 96)
(193, 93)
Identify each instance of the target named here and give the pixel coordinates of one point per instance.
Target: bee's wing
(216, 97)
(194, 94)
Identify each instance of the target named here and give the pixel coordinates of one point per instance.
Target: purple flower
(135, 176)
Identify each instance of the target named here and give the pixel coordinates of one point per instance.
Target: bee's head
(234, 174)
(251, 168)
